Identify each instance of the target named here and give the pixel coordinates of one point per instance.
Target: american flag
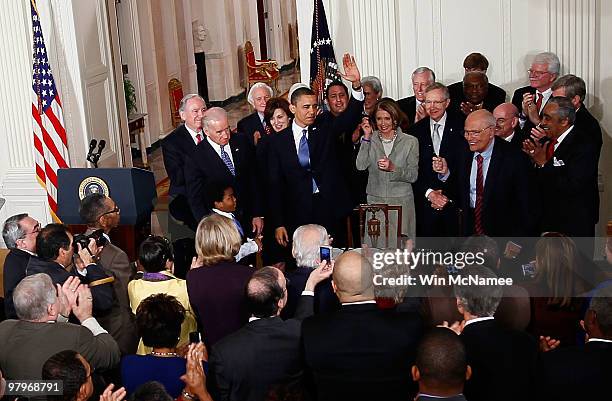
(323, 66)
(50, 145)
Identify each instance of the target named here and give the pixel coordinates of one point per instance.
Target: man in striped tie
(228, 158)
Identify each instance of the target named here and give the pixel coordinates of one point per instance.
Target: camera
(83, 239)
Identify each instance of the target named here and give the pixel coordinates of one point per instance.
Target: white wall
(390, 38)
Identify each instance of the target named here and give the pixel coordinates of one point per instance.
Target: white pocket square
(558, 162)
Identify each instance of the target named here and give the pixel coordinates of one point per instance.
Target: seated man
(582, 372)
(307, 242)
(43, 329)
(100, 212)
(56, 250)
(19, 234)
(441, 367)
(502, 360)
(476, 62)
(360, 352)
(265, 352)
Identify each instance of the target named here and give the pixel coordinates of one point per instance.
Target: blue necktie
(304, 156)
(228, 162)
(238, 226)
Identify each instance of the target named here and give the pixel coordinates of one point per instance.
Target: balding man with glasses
(19, 234)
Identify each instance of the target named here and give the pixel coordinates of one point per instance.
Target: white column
(18, 184)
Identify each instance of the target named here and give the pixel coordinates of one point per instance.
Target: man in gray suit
(43, 329)
(100, 212)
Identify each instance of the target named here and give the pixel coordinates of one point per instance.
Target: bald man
(507, 123)
(490, 183)
(222, 158)
(360, 352)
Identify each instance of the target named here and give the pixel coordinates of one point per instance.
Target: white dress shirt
(246, 249)
(562, 137)
(217, 149)
(194, 134)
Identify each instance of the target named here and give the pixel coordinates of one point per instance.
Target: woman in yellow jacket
(156, 257)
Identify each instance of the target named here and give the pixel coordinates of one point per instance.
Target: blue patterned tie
(238, 226)
(304, 157)
(228, 162)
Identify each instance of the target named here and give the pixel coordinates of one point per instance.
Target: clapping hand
(67, 294)
(110, 395)
(439, 165)
(385, 164)
(421, 113)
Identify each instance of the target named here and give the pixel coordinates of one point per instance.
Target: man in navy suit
(223, 158)
(489, 182)
(439, 135)
(507, 124)
(565, 170)
(253, 125)
(175, 149)
(305, 178)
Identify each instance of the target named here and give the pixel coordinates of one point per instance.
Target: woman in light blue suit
(392, 160)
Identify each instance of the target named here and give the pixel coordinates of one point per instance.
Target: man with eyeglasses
(100, 212)
(531, 99)
(507, 124)
(489, 182)
(439, 136)
(19, 234)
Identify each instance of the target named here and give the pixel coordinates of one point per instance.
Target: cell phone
(529, 269)
(512, 250)
(326, 254)
(195, 337)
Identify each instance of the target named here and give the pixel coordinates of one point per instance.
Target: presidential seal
(93, 185)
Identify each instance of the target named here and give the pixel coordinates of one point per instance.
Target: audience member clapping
(42, 329)
(156, 258)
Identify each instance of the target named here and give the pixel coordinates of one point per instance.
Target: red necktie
(198, 139)
(550, 150)
(539, 98)
(479, 197)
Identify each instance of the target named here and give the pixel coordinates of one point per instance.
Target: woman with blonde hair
(216, 283)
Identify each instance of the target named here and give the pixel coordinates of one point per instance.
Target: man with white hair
(307, 242)
(531, 99)
(253, 125)
(228, 159)
(43, 329)
(175, 147)
(19, 234)
(413, 106)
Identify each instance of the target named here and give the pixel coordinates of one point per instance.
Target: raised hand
(110, 395)
(351, 71)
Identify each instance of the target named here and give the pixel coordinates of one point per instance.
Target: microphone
(101, 145)
(92, 147)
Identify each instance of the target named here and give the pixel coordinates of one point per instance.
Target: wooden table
(136, 124)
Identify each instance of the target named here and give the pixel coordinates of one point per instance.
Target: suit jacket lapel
(236, 155)
(210, 154)
(493, 171)
(314, 138)
(448, 130)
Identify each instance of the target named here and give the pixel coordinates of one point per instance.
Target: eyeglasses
(436, 102)
(476, 133)
(536, 74)
(115, 210)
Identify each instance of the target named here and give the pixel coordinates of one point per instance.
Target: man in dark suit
(19, 234)
(574, 88)
(175, 149)
(56, 257)
(507, 124)
(565, 170)
(474, 95)
(223, 157)
(490, 182)
(441, 367)
(439, 135)
(582, 372)
(43, 329)
(100, 212)
(265, 353)
(304, 173)
(413, 106)
(253, 126)
(503, 361)
(360, 352)
(476, 62)
(307, 243)
(531, 99)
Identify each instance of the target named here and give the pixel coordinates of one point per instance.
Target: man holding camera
(101, 214)
(60, 257)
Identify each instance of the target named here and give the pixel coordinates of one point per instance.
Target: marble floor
(160, 220)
